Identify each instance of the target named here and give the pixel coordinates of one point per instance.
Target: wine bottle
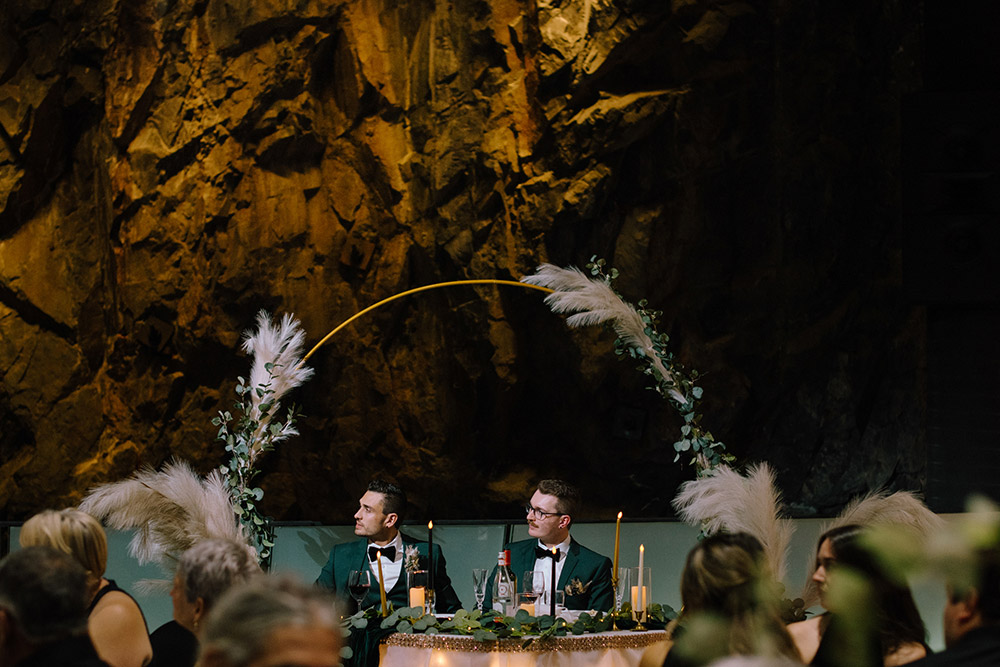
(504, 586)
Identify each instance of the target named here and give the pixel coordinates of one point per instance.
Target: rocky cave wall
(170, 167)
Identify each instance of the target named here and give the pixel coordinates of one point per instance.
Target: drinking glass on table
(533, 585)
(479, 581)
(623, 587)
(358, 583)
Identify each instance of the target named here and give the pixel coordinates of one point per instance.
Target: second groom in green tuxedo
(584, 575)
(377, 520)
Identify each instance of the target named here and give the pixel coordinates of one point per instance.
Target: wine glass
(479, 580)
(358, 583)
(533, 585)
(622, 588)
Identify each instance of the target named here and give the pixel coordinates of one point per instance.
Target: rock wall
(170, 167)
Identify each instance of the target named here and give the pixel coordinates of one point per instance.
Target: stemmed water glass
(479, 579)
(622, 588)
(358, 583)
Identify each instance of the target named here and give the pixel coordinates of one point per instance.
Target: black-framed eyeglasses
(528, 510)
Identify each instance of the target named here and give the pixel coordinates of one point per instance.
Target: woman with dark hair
(731, 607)
(876, 623)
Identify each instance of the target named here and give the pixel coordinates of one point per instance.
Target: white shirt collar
(563, 547)
(396, 542)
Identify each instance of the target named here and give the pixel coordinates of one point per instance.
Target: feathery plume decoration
(277, 368)
(724, 500)
(901, 508)
(170, 510)
(592, 300)
(902, 511)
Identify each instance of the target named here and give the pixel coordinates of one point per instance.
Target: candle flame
(378, 553)
(430, 525)
(554, 550)
(619, 516)
(642, 547)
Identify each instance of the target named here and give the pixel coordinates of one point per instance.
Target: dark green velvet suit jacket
(581, 563)
(354, 556)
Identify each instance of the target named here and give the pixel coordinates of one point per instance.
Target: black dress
(173, 646)
(72, 652)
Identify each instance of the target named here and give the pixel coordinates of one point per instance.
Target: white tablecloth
(604, 649)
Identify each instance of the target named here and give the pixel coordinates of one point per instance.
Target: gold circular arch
(451, 283)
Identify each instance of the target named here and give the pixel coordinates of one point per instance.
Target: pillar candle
(381, 583)
(417, 596)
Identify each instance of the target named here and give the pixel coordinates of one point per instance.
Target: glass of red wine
(358, 583)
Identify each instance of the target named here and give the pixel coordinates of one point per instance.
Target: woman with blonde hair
(115, 623)
(731, 607)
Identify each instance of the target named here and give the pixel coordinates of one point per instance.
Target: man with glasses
(583, 575)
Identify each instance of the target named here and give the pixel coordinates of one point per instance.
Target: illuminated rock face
(170, 167)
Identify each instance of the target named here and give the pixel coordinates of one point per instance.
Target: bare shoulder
(116, 605)
(806, 635)
(906, 653)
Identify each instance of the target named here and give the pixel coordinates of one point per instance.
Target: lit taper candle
(381, 583)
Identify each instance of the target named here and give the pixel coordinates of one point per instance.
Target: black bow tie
(547, 553)
(388, 552)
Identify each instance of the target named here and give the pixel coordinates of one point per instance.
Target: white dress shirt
(545, 565)
(390, 568)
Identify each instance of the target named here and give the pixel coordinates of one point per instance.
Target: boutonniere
(412, 560)
(577, 587)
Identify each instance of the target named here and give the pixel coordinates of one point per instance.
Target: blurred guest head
(73, 532)
(204, 573)
(886, 599)
(974, 603)
(728, 589)
(272, 621)
(43, 600)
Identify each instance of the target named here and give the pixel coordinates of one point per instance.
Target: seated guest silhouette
(377, 520)
(116, 624)
(204, 573)
(43, 610)
(972, 616)
(881, 624)
(730, 608)
(583, 575)
(272, 622)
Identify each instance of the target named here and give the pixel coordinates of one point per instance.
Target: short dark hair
(47, 593)
(395, 497)
(986, 582)
(568, 496)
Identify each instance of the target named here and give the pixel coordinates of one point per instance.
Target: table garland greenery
(487, 626)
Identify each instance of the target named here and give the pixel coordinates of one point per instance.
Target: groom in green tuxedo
(583, 575)
(377, 520)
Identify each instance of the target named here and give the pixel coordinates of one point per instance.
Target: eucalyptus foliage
(679, 386)
(252, 431)
(489, 626)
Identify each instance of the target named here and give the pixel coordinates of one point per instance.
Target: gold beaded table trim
(586, 642)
